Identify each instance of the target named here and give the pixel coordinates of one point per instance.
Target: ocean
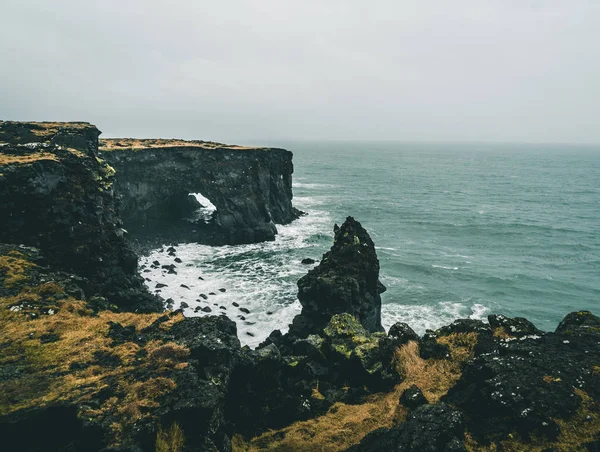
(461, 230)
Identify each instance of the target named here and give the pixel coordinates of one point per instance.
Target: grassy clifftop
(121, 144)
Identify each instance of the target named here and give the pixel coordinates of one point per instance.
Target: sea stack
(346, 280)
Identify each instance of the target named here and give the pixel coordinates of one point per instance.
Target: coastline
(92, 362)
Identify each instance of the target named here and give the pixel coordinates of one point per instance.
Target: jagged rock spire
(346, 280)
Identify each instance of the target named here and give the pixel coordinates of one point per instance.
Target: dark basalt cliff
(251, 189)
(57, 195)
(79, 374)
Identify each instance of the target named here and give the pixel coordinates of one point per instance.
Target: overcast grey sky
(234, 70)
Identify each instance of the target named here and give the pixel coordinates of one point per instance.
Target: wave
(444, 267)
(259, 277)
(312, 186)
(430, 317)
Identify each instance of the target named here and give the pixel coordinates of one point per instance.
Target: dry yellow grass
(8, 159)
(44, 127)
(14, 266)
(501, 333)
(344, 425)
(81, 359)
(112, 144)
(435, 376)
(171, 440)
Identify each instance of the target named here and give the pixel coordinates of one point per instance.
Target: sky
(263, 70)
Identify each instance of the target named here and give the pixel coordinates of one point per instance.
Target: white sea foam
(429, 317)
(208, 208)
(312, 186)
(258, 277)
(444, 267)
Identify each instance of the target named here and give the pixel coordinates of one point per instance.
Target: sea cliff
(80, 371)
(249, 187)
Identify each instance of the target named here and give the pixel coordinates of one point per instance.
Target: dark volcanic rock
(524, 384)
(430, 428)
(430, 348)
(413, 398)
(402, 333)
(580, 324)
(251, 189)
(57, 195)
(346, 280)
(307, 261)
(516, 327)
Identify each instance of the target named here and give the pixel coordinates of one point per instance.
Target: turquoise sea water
(461, 230)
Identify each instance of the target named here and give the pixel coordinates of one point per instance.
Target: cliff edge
(57, 195)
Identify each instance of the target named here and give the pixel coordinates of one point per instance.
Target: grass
(344, 425)
(13, 267)
(81, 359)
(171, 440)
(435, 376)
(113, 144)
(8, 159)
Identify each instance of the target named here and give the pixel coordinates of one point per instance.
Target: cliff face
(56, 195)
(251, 189)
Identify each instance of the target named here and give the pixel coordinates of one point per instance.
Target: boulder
(516, 327)
(402, 333)
(413, 397)
(580, 324)
(429, 428)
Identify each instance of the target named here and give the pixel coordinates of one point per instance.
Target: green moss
(344, 325)
(341, 349)
(106, 175)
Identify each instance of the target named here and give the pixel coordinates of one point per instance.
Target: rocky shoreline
(91, 362)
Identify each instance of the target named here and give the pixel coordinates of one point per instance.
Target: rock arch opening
(205, 211)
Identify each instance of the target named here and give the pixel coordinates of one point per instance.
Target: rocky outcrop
(336, 349)
(250, 188)
(346, 280)
(531, 385)
(275, 386)
(430, 428)
(84, 379)
(57, 195)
